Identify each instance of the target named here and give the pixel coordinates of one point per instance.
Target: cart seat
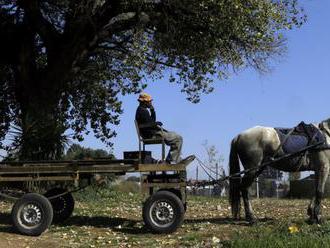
(150, 141)
(153, 141)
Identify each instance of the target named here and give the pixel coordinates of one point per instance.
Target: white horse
(257, 145)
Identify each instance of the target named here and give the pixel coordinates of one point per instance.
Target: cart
(33, 212)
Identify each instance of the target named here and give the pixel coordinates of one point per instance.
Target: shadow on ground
(117, 224)
(5, 219)
(125, 225)
(130, 226)
(226, 221)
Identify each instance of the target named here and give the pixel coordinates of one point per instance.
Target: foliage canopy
(64, 63)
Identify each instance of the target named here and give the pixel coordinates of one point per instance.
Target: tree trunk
(42, 136)
(38, 91)
(41, 127)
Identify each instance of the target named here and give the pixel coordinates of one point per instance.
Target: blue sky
(297, 89)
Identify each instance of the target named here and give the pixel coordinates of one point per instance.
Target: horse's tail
(235, 181)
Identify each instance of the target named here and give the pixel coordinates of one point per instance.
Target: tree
(63, 63)
(214, 166)
(78, 152)
(214, 161)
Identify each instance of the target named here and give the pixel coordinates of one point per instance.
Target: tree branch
(159, 62)
(43, 27)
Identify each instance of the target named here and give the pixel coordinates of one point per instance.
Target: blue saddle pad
(301, 136)
(294, 143)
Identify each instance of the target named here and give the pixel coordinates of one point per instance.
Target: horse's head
(325, 126)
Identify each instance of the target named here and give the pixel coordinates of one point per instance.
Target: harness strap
(282, 143)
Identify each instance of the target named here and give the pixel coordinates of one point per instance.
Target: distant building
(270, 188)
(207, 190)
(305, 188)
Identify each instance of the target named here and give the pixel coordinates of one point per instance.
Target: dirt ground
(114, 220)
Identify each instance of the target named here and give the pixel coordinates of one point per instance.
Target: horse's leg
(311, 207)
(247, 180)
(251, 160)
(315, 207)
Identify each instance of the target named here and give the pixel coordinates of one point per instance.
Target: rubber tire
(44, 205)
(63, 206)
(176, 204)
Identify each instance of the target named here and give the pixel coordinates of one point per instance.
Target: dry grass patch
(106, 218)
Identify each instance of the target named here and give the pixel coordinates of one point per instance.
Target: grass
(279, 236)
(105, 218)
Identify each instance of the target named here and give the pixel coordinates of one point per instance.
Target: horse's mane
(326, 121)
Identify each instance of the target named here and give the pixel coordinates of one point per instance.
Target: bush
(127, 187)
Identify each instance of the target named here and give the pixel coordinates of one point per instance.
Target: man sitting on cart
(150, 128)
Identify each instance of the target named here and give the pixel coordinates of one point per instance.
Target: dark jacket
(146, 121)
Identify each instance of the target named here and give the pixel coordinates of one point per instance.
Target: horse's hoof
(309, 212)
(319, 220)
(236, 217)
(252, 220)
(313, 221)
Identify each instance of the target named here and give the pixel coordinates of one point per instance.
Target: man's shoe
(188, 160)
(163, 162)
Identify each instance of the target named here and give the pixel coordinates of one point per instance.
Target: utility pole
(196, 173)
(210, 191)
(216, 171)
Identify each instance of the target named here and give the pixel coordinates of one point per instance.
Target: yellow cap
(145, 97)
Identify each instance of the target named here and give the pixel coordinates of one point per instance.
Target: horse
(257, 145)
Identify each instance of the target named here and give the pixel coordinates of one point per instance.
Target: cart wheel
(32, 214)
(63, 206)
(163, 212)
